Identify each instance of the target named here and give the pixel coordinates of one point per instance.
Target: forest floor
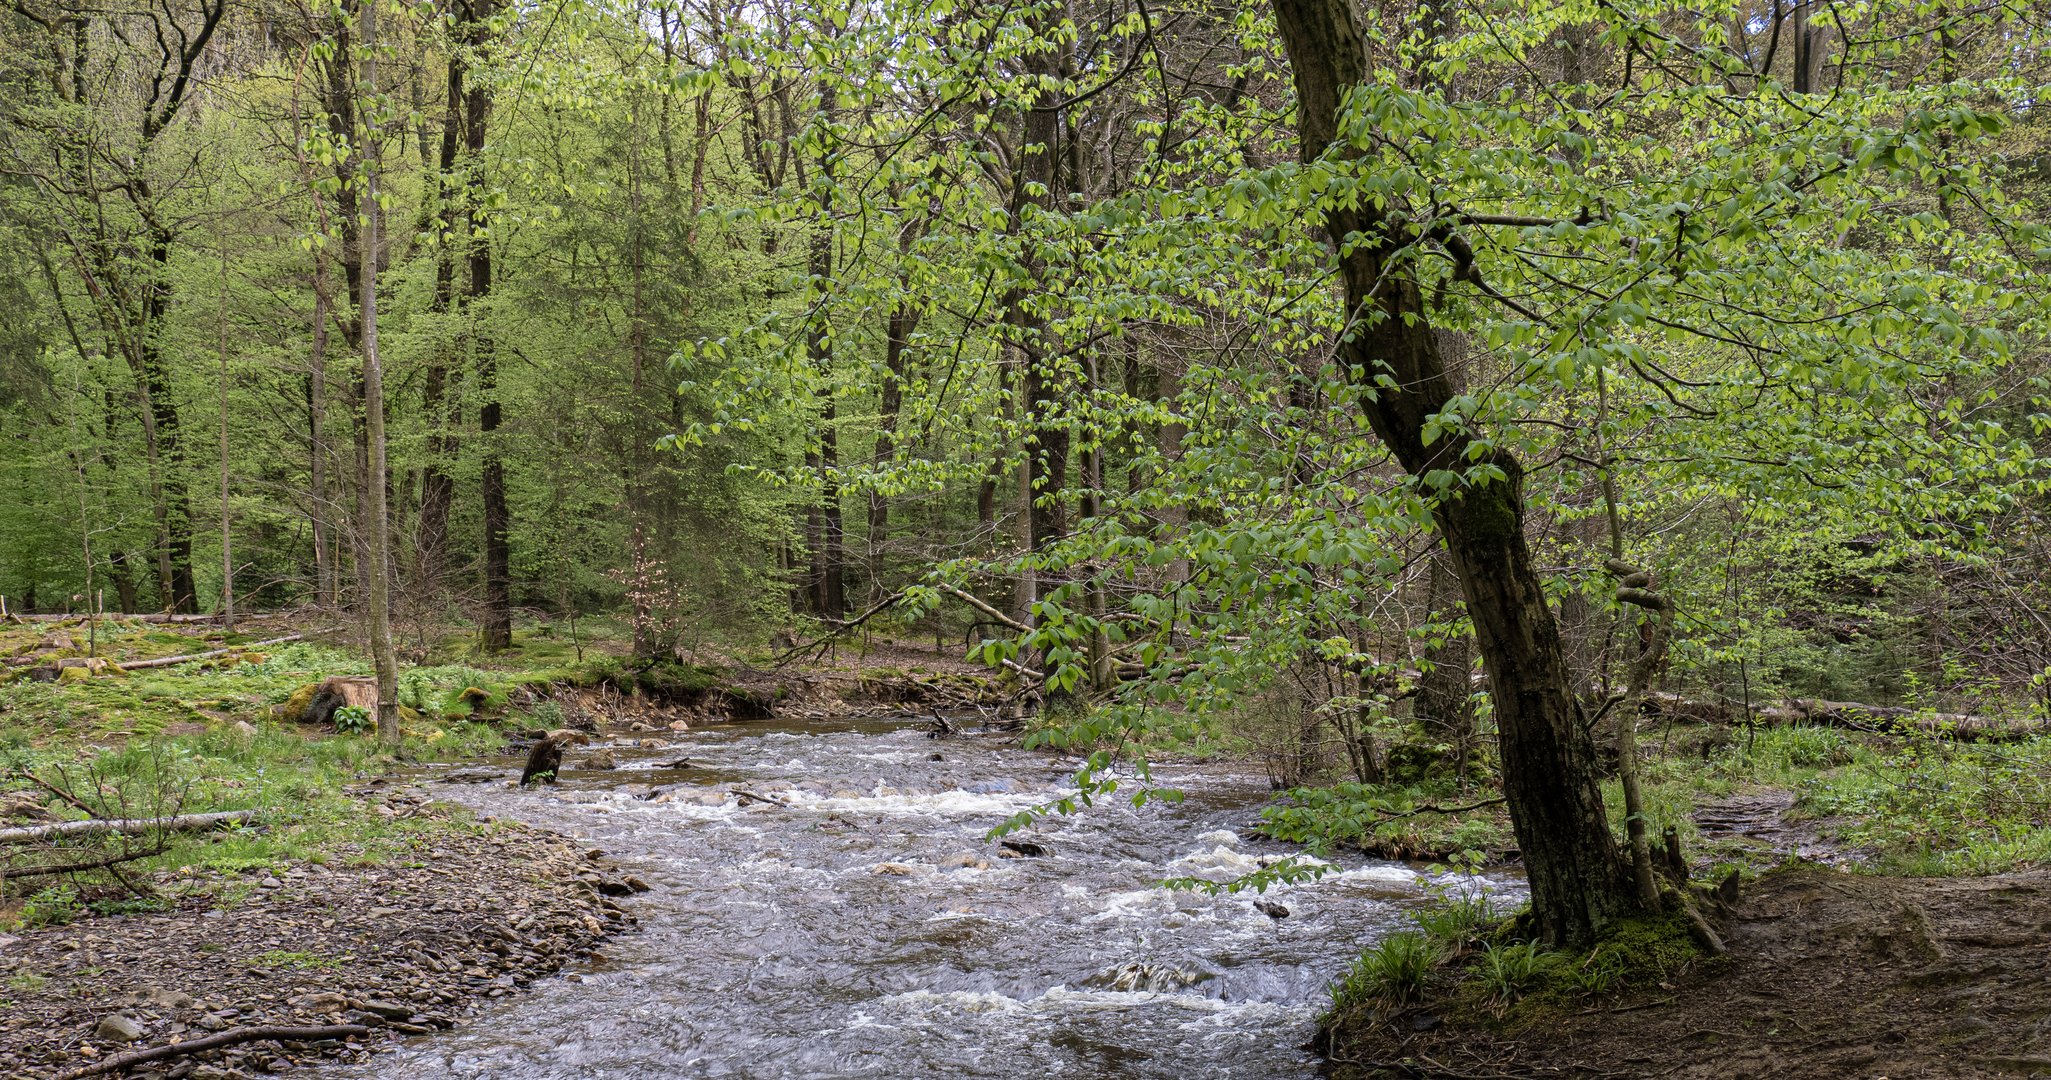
(1829, 974)
(385, 947)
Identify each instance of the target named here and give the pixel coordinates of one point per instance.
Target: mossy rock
(295, 705)
(1413, 762)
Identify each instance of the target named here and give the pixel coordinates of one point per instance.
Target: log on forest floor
(1882, 719)
(174, 661)
(154, 617)
(32, 834)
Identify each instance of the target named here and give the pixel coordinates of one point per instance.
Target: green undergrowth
(247, 687)
(121, 639)
(1465, 959)
(1905, 803)
(1900, 803)
(199, 738)
(295, 785)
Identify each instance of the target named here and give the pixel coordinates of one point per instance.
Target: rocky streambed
(387, 946)
(825, 903)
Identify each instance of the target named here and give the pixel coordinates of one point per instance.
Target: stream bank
(406, 946)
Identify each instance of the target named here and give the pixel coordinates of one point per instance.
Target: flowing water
(850, 920)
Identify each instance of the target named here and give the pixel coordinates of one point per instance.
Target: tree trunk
(437, 486)
(378, 538)
(896, 329)
(824, 522)
(324, 583)
(1045, 471)
(498, 560)
(227, 543)
(1443, 692)
(1578, 883)
(176, 506)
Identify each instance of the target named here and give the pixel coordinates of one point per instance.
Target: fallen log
(31, 834)
(154, 617)
(1850, 715)
(174, 661)
(123, 1062)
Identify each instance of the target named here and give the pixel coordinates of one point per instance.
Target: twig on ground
(122, 1062)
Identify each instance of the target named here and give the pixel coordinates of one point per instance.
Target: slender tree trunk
(1578, 881)
(227, 543)
(437, 486)
(1442, 705)
(824, 522)
(640, 428)
(379, 541)
(176, 505)
(324, 577)
(896, 329)
(1043, 478)
(498, 558)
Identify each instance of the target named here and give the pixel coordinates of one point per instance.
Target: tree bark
(498, 559)
(896, 330)
(378, 540)
(1443, 704)
(437, 486)
(1577, 879)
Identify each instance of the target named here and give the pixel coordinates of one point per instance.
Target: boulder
(601, 759)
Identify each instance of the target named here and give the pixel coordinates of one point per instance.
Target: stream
(852, 921)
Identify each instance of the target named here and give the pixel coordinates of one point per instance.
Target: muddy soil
(402, 947)
(1830, 974)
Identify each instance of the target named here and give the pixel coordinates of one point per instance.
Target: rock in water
(1271, 909)
(601, 760)
(116, 1027)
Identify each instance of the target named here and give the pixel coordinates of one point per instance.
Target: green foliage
(52, 905)
(1935, 807)
(1391, 973)
(1507, 972)
(297, 961)
(1392, 819)
(353, 719)
(1456, 918)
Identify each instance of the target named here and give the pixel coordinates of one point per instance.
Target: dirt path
(1830, 975)
(402, 946)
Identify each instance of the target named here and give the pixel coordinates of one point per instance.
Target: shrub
(352, 718)
(53, 906)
